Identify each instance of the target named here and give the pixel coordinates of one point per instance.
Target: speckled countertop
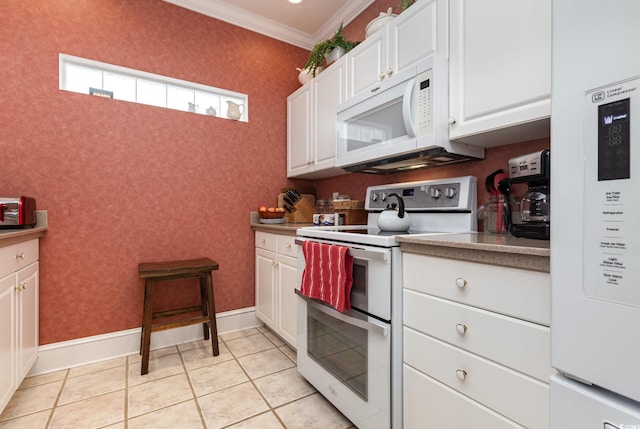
(276, 228)
(12, 236)
(503, 250)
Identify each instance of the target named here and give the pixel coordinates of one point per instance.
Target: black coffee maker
(534, 170)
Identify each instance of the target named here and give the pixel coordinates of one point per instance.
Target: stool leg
(212, 315)
(146, 325)
(204, 306)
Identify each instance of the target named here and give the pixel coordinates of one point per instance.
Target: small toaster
(17, 212)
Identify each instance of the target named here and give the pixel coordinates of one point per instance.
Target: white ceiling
(302, 24)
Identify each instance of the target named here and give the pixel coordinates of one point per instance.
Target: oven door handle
(374, 326)
(359, 253)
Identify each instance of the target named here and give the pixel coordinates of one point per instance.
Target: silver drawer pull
(460, 282)
(20, 255)
(461, 374)
(461, 328)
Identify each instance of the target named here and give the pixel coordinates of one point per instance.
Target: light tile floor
(253, 383)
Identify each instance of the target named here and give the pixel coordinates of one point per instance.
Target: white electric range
(355, 358)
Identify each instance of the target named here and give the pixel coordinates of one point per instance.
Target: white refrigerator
(595, 215)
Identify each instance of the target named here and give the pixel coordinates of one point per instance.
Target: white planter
(334, 54)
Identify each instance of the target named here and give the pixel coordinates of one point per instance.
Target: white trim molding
(227, 12)
(83, 351)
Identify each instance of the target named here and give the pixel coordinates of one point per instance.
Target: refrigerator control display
(611, 208)
(614, 140)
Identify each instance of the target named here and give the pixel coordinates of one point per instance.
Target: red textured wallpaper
(125, 183)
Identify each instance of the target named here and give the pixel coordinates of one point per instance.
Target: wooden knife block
(303, 214)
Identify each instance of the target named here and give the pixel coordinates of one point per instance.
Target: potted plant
(338, 44)
(406, 3)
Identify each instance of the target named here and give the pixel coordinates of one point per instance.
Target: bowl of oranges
(271, 214)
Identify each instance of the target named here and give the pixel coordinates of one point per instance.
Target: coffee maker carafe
(534, 170)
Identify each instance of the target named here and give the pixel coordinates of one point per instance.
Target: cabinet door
(27, 312)
(367, 64)
(500, 70)
(7, 339)
(420, 31)
(329, 90)
(265, 287)
(428, 403)
(299, 123)
(288, 277)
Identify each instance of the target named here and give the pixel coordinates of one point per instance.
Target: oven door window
(340, 348)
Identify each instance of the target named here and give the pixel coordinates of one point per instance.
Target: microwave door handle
(372, 325)
(406, 108)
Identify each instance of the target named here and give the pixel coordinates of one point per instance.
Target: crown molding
(242, 18)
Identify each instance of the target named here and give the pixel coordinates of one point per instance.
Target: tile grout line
(126, 393)
(251, 380)
(193, 390)
(55, 403)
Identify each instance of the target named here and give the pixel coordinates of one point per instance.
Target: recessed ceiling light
(295, 1)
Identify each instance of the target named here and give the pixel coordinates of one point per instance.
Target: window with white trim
(121, 83)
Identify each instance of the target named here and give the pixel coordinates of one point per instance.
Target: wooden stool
(155, 272)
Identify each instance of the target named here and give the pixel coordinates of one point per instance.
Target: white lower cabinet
(276, 276)
(18, 315)
(476, 345)
(443, 407)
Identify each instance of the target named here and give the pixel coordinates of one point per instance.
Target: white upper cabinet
(299, 132)
(418, 32)
(311, 124)
(329, 90)
(500, 71)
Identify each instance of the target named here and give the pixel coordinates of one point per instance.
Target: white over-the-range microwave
(401, 124)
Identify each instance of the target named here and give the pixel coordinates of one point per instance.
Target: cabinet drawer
(514, 292)
(514, 395)
(266, 241)
(287, 246)
(430, 404)
(520, 345)
(17, 256)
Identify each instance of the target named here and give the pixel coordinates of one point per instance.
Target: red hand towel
(328, 275)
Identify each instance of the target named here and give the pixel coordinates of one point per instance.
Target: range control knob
(374, 196)
(383, 196)
(435, 193)
(450, 192)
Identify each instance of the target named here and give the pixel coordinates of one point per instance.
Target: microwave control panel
(424, 111)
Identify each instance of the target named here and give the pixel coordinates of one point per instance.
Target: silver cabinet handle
(359, 253)
(372, 325)
(20, 255)
(452, 120)
(460, 282)
(461, 328)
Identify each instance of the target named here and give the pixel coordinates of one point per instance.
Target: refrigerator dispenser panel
(611, 209)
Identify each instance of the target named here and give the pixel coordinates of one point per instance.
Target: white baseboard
(82, 351)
